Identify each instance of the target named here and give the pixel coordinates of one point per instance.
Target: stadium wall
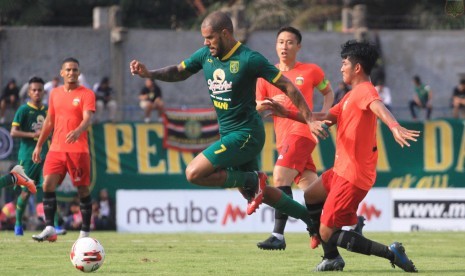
(27, 51)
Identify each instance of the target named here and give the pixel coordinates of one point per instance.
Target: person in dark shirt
(458, 100)
(10, 97)
(150, 99)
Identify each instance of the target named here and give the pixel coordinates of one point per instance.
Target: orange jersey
(68, 109)
(356, 151)
(306, 77)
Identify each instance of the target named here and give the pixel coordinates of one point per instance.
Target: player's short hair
(462, 81)
(36, 79)
(364, 53)
(218, 21)
(69, 59)
(292, 30)
(417, 79)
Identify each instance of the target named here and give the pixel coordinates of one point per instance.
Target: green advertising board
(131, 156)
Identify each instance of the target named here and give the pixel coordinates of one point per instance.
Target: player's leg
(341, 209)
(54, 171)
(34, 171)
(78, 165)
(21, 204)
(294, 164)
(282, 179)
(238, 152)
(50, 206)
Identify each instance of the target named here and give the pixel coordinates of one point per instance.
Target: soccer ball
(87, 254)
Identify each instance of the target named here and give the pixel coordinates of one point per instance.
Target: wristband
(393, 125)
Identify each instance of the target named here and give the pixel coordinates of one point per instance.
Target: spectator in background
(10, 97)
(83, 81)
(104, 100)
(341, 90)
(106, 211)
(150, 99)
(54, 83)
(422, 98)
(385, 94)
(8, 216)
(73, 220)
(458, 100)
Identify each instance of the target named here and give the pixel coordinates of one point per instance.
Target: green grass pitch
(438, 253)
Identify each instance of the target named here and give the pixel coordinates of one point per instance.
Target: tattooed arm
(171, 73)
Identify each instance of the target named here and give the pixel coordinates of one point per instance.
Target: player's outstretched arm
(170, 73)
(401, 134)
(318, 127)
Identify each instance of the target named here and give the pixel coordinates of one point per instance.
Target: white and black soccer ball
(87, 254)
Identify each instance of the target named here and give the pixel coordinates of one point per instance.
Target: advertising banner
(423, 210)
(221, 211)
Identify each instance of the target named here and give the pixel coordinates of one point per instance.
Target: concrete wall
(437, 56)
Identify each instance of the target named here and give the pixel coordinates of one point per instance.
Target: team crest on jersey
(234, 66)
(299, 80)
(76, 101)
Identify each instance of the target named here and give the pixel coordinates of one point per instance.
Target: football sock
(86, 212)
(280, 218)
(355, 242)
(50, 207)
(7, 180)
(20, 208)
(314, 211)
(237, 179)
(292, 208)
(56, 219)
(330, 250)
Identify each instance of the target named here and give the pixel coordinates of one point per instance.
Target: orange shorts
(340, 208)
(76, 164)
(296, 153)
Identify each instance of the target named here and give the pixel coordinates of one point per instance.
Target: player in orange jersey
(294, 141)
(71, 107)
(342, 188)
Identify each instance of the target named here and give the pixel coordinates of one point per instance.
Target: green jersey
(30, 119)
(423, 93)
(231, 82)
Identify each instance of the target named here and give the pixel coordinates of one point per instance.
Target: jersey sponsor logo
(76, 101)
(37, 126)
(299, 80)
(219, 84)
(221, 105)
(234, 66)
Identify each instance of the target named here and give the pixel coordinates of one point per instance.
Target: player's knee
(192, 174)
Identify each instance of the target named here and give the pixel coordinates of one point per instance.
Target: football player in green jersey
(27, 125)
(231, 70)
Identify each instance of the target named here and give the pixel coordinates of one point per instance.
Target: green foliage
(436, 253)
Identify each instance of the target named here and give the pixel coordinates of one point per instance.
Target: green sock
(7, 180)
(55, 220)
(237, 179)
(292, 208)
(20, 208)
